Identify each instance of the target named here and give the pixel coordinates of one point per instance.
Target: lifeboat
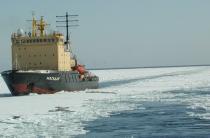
(81, 69)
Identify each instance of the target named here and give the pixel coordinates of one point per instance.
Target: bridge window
(61, 40)
(17, 41)
(22, 41)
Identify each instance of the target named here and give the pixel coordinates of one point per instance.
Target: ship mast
(38, 25)
(69, 23)
(41, 26)
(34, 23)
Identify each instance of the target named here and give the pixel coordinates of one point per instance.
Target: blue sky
(120, 33)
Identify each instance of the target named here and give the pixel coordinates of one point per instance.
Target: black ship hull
(45, 82)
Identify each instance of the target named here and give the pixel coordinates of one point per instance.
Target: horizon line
(170, 66)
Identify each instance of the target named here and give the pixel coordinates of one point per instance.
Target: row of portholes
(36, 41)
(35, 63)
(40, 63)
(36, 55)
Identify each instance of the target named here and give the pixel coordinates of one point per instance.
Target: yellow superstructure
(40, 51)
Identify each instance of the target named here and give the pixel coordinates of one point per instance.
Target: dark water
(158, 119)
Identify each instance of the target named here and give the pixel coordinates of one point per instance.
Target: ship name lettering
(53, 78)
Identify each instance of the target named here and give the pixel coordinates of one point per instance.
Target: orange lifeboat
(80, 69)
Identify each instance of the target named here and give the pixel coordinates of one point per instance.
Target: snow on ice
(66, 113)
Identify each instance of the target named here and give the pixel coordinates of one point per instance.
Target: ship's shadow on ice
(112, 83)
(117, 82)
(127, 81)
(5, 95)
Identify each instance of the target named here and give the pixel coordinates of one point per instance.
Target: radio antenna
(69, 23)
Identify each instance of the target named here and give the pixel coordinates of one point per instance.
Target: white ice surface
(120, 90)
